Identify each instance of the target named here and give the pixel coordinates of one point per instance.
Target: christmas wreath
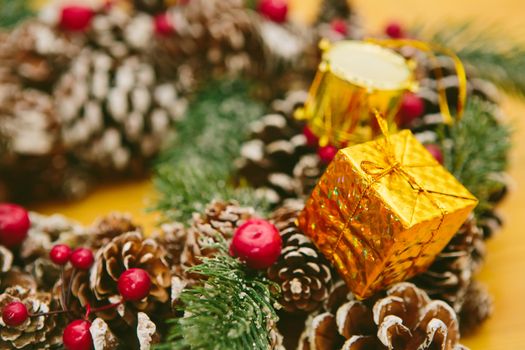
(278, 232)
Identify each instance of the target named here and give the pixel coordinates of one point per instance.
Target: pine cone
(115, 114)
(405, 319)
(128, 251)
(450, 275)
(37, 332)
(172, 236)
(107, 227)
(36, 53)
(476, 309)
(302, 272)
(211, 38)
(6, 261)
(218, 218)
(46, 231)
(277, 144)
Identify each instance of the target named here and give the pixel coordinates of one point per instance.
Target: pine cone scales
(114, 112)
(211, 38)
(405, 319)
(449, 277)
(37, 332)
(301, 271)
(218, 218)
(128, 251)
(277, 159)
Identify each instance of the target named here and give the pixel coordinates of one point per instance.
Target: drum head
(368, 65)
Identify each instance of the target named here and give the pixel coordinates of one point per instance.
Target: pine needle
(13, 11)
(232, 310)
(197, 167)
(490, 53)
(476, 150)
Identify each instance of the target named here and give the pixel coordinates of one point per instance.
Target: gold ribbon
(430, 49)
(392, 165)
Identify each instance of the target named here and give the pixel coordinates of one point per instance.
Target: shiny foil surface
(383, 210)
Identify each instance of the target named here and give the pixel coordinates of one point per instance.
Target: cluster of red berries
(133, 285)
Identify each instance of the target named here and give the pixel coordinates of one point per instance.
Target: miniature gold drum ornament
(383, 210)
(354, 79)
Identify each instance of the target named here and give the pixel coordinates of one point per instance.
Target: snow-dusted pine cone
(277, 159)
(406, 318)
(114, 111)
(451, 273)
(36, 53)
(211, 37)
(36, 332)
(301, 271)
(46, 231)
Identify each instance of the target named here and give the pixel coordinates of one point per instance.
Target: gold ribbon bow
(391, 166)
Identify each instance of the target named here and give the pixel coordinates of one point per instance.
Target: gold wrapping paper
(383, 210)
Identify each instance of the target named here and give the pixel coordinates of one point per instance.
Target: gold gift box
(383, 210)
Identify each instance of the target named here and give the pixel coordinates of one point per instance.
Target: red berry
(339, 26)
(394, 30)
(163, 25)
(412, 107)
(327, 153)
(76, 18)
(14, 314)
(77, 336)
(275, 10)
(60, 254)
(82, 258)
(14, 224)
(134, 284)
(256, 242)
(435, 150)
(311, 139)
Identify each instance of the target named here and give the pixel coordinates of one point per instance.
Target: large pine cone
(212, 37)
(98, 287)
(272, 160)
(406, 319)
(37, 332)
(451, 273)
(302, 272)
(114, 112)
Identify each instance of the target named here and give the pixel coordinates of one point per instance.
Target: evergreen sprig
(13, 11)
(198, 166)
(491, 54)
(232, 310)
(476, 150)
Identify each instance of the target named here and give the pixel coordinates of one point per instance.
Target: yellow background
(504, 271)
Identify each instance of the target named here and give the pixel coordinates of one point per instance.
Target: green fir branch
(13, 11)
(491, 54)
(197, 167)
(232, 310)
(476, 150)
